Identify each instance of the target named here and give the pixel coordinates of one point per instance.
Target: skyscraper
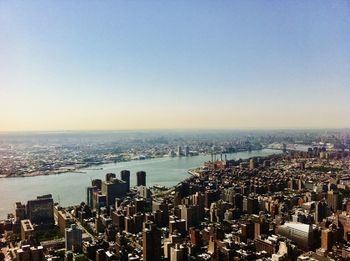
(89, 195)
(178, 253)
(27, 229)
(334, 200)
(20, 211)
(141, 178)
(40, 210)
(303, 235)
(151, 242)
(328, 238)
(113, 188)
(320, 211)
(73, 238)
(179, 151)
(187, 151)
(110, 176)
(125, 176)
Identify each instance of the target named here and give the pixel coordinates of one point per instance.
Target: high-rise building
(190, 214)
(64, 219)
(320, 211)
(138, 221)
(101, 255)
(195, 236)
(238, 201)
(40, 210)
(261, 228)
(98, 200)
(164, 210)
(118, 219)
(268, 245)
(129, 224)
(214, 213)
(178, 253)
(250, 205)
(23, 254)
(334, 200)
(73, 238)
(247, 229)
(170, 242)
(140, 204)
(141, 178)
(151, 242)
(96, 183)
(89, 196)
(304, 235)
(178, 226)
(27, 229)
(252, 164)
(179, 151)
(20, 211)
(327, 239)
(125, 176)
(37, 253)
(110, 176)
(209, 197)
(284, 148)
(187, 151)
(144, 192)
(199, 199)
(28, 253)
(113, 188)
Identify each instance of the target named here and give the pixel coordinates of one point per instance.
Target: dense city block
(289, 206)
(32, 154)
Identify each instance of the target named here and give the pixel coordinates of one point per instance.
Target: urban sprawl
(294, 205)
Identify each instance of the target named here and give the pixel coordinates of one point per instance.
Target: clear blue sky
(174, 64)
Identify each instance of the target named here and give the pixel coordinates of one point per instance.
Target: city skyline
(184, 65)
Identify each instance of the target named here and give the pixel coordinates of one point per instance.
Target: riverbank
(69, 188)
(79, 168)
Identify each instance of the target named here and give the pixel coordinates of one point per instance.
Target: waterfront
(70, 188)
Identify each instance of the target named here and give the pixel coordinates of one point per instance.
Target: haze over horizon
(117, 65)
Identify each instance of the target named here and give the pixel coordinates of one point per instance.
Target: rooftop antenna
(59, 200)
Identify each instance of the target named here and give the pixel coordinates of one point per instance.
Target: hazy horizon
(125, 65)
(175, 130)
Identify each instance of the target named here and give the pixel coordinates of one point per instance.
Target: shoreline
(78, 169)
(80, 196)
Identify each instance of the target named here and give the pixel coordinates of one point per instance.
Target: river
(70, 188)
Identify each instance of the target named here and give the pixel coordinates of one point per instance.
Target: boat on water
(160, 187)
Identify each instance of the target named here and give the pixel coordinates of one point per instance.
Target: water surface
(70, 188)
